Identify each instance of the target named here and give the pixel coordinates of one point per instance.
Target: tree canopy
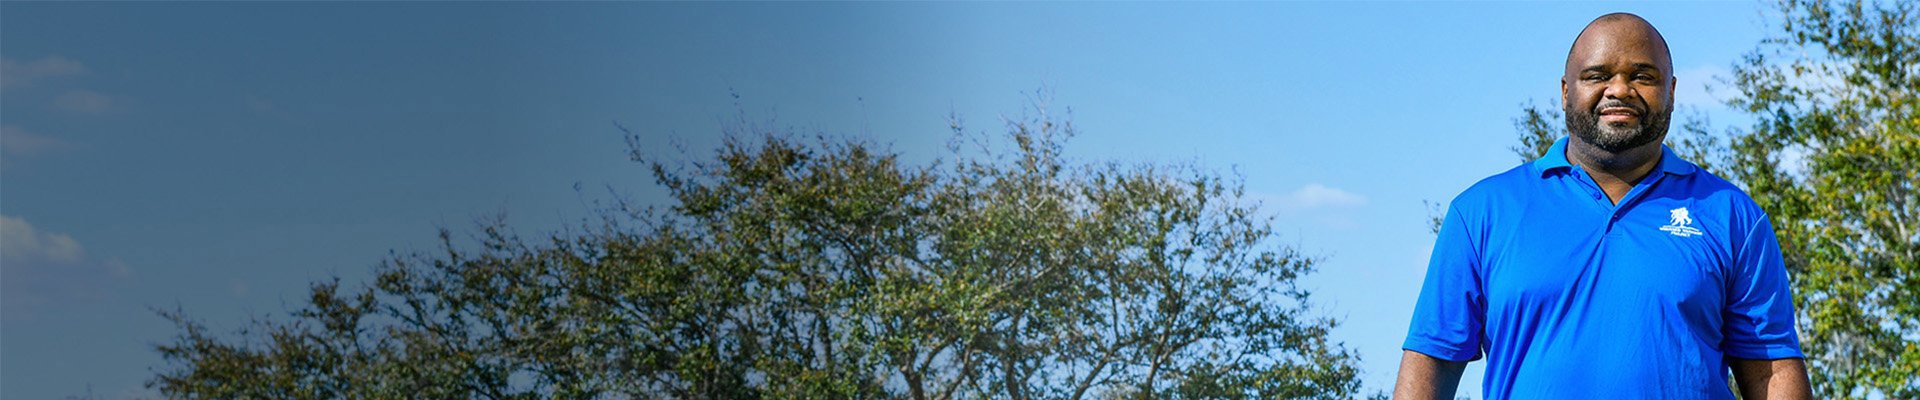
(1833, 159)
(824, 268)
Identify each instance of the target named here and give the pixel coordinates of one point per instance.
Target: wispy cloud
(44, 268)
(16, 142)
(1317, 204)
(84, 102)
(26, 245)
(1699, 86)
(16, 74)
(261, 105)
(1318, 196)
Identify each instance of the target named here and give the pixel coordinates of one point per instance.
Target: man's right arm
(1424, 377)
(1449, 315)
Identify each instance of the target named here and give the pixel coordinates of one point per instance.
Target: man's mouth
(1619, 114)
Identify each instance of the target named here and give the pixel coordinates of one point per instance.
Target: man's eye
(1645, 78)
(1593, 78)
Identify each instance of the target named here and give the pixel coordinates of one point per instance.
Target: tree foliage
(825, 269)
(1833, 157)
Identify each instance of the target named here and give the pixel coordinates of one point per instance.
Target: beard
(1614, 138)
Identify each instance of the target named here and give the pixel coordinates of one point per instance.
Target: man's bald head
(1624, 27)
(1617, 89)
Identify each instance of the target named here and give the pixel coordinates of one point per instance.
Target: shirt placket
(1615, 211)
(1632, 198)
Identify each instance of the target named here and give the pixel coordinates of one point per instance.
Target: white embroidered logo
(1677, 224)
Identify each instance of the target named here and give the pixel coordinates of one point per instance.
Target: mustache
(1617, 103)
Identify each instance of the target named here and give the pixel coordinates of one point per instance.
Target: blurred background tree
(825, 269)
(1834, 157)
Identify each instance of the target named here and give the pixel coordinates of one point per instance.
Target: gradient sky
(218, 158)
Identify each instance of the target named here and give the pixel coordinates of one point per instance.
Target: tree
(1832, 158)
(825, 269)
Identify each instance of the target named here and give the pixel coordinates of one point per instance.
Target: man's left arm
(1762, 347)
(1781, 379)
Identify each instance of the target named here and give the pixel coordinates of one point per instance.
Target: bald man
(1609, 267)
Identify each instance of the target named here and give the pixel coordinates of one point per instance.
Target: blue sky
(218, 158)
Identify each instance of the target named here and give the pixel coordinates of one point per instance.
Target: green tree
(1833, 157)
(825, 269)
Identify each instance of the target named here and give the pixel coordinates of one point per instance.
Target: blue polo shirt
(1568, 295)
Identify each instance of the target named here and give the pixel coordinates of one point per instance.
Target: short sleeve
(1449, 317)
(1759, 312)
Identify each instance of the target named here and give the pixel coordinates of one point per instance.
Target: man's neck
(1616, 173)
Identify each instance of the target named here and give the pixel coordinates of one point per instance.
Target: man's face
(1618, 87)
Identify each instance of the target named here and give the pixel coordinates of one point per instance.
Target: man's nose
(1619, 88)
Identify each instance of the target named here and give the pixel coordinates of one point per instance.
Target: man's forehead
(1619, 30)
(1614, 32)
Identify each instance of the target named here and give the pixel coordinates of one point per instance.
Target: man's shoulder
(1706, 185)
(1716, 195)
(1509, 185)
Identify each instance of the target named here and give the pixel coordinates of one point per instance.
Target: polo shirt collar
(1556, 158)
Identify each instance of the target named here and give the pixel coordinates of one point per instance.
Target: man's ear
(1673, 88)
(1563, 91)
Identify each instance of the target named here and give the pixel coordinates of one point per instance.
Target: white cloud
(39, 268)
(1794, 160)
(1316, 204)
(20, 244)
(1315, 196)
(1700, 86)
(1827, 82)
(15, 74)
(17, 142)
(84, 101)
(258, 104)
